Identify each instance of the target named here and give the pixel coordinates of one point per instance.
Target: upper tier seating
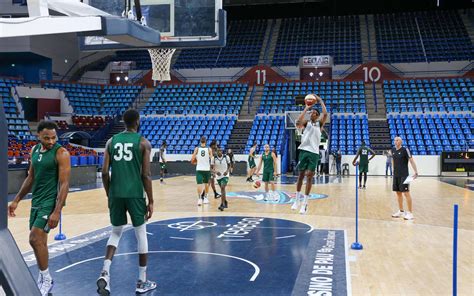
(337, 36)
(339, 96)
(217, 98)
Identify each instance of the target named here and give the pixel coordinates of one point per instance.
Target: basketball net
(161, 62)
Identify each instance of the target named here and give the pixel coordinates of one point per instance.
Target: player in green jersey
(363, 153)
(269, 161)
(251, 161)
(126, 175)
(48, 178)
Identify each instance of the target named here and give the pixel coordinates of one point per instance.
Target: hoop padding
(161, 61)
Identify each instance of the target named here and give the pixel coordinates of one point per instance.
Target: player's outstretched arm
(323, 110)
(193, 157)
(106, 167)
(413, 165)
(257, 172)
(25, 188)
(373, 154)
(64, 165)
(145, 146)
(357, 156)
(301, 122)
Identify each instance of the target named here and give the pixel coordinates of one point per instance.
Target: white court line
(186, 238)
(288, 236)
(348, 267)
(252, 278)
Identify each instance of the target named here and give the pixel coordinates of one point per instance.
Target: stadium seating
(347, 132)
(338, 36)
(20, 150)
(430, 134)
(182, 133)
(429, 95)
(118, 98)
(89, 123)
(402, 37)
(267, 130)
(17, 125)
(217, 98)
(244, 43)
(84, 98)
(339, 96)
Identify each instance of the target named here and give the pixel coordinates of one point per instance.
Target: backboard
(181, 23)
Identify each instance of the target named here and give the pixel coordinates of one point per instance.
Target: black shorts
(399, 186)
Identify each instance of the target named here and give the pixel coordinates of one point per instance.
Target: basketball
(310, 100)
(256, 184)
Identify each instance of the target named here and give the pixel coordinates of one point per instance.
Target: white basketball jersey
(311, 137)
(221, 165)
(203, 159)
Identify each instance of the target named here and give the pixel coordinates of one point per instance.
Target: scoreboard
(460, 161)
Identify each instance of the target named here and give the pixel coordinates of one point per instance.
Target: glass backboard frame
(168, 40)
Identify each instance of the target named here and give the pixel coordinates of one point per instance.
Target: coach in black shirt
(401, 157)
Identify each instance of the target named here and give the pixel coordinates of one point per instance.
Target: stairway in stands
(118, 128)
(379, 134)
(240, 135)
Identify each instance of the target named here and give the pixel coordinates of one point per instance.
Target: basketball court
(347, 243)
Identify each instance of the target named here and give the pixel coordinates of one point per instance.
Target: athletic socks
(107, 264)
(45, 273)
(142, 273)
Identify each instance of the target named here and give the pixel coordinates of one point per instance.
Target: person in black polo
(401, 157)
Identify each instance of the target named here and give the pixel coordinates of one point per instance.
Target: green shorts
(203, 177)
(308, 161)
(252, 163)
(223, 181)
(163, 165)
(363, 168)
(39, 217)
(267, 176)
(136, 208)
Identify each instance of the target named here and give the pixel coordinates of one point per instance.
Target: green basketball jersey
(46, 180)
(126, 166)
(267, 162)
(364, 155)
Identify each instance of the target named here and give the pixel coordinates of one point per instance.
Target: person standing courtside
(251, 162)
(48, 177)
(363, 153)
(388, 163)
(401, 156)
(163, 160)
(309, 152)
(221, 168)
(126, 176)
(202, 158)
(269, 161)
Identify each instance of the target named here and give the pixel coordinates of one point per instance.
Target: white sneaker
(398, 214)
(304, 208)
(206, 200)
(143, 287)
(276, 196)
(103, 287)
(296, 204)
(199, 201)
(46, 285)
(408, 216)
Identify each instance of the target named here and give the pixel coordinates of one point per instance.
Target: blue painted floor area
(196, 256)
(278, 197)
(467, 183)
(323, 179)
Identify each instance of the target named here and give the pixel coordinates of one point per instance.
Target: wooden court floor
(399, 257)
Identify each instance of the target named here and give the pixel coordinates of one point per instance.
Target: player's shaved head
(398, 142)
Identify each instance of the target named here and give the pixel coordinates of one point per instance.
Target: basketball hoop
(161, 62)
